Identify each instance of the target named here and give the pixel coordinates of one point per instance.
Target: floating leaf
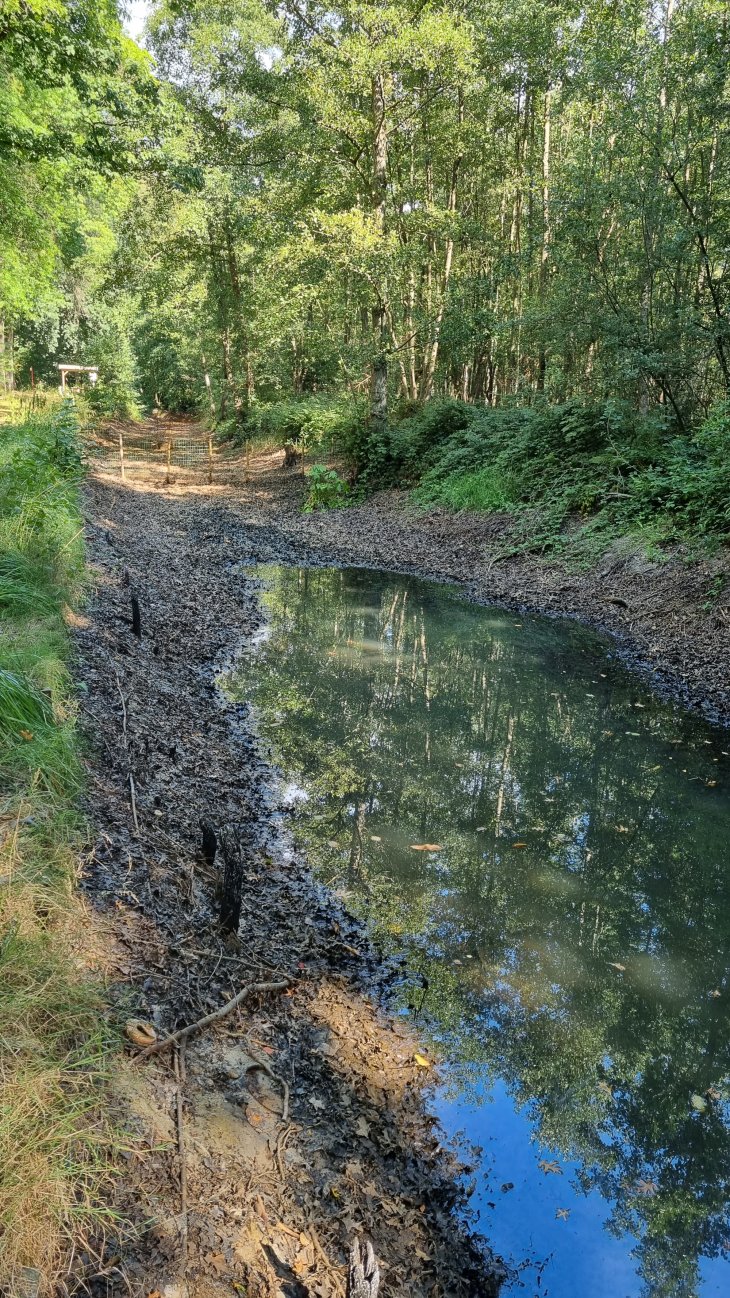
(520, 844)
(548, 1165)
(422, 1061)
(614, 964)
(562, 1214)
(425, 847)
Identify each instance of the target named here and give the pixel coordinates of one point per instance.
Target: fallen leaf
(26, 734)
(562, 1214)
(422, 1061)
(140, 1032)
(614, 964)
(425, 847)
(519, 844)
(316, 1103)
(362, 1127)
(548, 1165)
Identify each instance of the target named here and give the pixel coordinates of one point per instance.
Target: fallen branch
(134, 802)
(182, 1035)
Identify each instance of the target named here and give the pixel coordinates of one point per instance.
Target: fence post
(121, 453)
(210, 457)
(169, 461)
(248, 459)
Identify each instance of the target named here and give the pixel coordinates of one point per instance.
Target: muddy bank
(297, 1122)
(670, 619)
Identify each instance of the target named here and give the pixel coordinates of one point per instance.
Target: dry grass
(53, 1035)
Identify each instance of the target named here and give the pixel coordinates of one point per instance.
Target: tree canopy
(490, 200)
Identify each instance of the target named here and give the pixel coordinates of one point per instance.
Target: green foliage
(326, 489)
(41, 561)
(309, 423)
(481, 489)
(603, 464)
(51, 1139)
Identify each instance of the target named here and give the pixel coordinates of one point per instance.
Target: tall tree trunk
(545, 250)
(432, 350)
(379, 365)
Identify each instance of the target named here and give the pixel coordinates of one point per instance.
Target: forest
(475, 248)
(466, 264)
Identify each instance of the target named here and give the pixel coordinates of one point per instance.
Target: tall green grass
(51, 1046)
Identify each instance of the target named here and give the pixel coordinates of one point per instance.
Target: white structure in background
(91, 370)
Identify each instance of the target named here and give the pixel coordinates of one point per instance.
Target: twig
(124, 710)
(182, 1035)
(281, 1139)
(330, 1269)
(258, 1062)
(134, 803)
(180, 1078)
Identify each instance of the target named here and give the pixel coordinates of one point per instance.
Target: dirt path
(273, 1199)
(234, 1179)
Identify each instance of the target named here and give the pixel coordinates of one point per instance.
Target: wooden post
(169, 461)
(121, 453)
(210, 459)
(63, 383)
(248, 459)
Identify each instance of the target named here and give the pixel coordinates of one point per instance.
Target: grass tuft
(53, 1047)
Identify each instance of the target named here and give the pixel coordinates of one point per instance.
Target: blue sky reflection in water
(547, 845)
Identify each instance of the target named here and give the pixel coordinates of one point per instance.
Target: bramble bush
(327, 490)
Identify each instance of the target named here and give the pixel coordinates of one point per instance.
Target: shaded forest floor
(231, 1177)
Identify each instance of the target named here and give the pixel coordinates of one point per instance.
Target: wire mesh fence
(118, 447)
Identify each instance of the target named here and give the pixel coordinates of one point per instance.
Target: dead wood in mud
(218, 1190)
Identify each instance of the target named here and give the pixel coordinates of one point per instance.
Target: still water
(549, 846)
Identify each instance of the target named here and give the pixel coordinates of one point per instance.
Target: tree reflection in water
(572, 927)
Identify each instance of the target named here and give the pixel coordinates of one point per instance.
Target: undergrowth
(574, 477)
(52, 1047)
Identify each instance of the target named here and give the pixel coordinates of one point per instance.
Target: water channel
(548, 845)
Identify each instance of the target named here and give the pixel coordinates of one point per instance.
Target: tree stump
(209, 843)
(363, 1279)
(232, 887)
